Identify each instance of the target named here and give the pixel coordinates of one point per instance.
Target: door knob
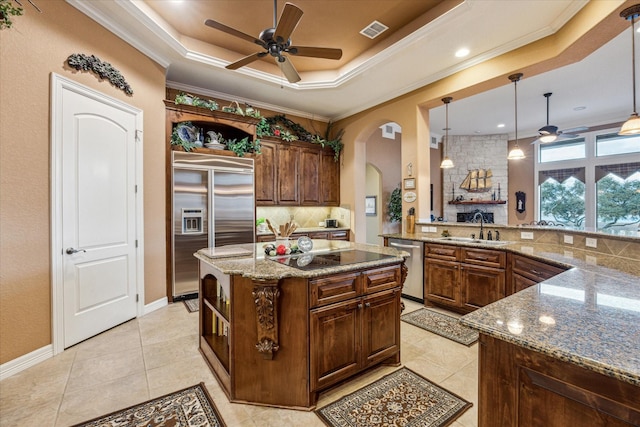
(72, 251)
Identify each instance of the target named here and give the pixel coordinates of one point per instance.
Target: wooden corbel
(265, 296)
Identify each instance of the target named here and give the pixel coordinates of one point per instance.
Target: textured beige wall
(37, 45)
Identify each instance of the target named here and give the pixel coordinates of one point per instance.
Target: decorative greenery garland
(104, 70)
(278, 126)
(395, 205)
(7, 9)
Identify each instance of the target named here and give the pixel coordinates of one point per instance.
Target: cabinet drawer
(444, 252)
(327, 290)
(534, 270)
(319, 235)
(381, 279)
(484, 257)
(339, 235)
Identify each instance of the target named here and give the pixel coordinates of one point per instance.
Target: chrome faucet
(481, 224)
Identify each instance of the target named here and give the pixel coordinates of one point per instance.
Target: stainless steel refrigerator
(213, 205)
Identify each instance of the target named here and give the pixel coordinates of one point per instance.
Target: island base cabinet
(351, 336)
(523, 388)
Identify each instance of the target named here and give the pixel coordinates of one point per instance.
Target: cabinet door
(339, 235)
(519, 283)
(381, 326)
(441, 282)
(287, 169)
(329, 179)
(335, 342)
(310, 177)
(266, 175)
(481, 286)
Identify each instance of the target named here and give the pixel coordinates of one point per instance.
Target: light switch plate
(568, 239)
(591, 243)
(526, 235)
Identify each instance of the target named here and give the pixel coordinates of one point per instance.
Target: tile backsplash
(305, 217)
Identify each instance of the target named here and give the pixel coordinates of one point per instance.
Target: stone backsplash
(305, 217)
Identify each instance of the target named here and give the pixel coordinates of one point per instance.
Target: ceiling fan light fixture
(632, 125)
(447, 163)
(516, 153)
(548, 138)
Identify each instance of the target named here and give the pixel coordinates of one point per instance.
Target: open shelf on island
(478, 202)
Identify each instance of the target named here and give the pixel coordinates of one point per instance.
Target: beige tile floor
(157, 354)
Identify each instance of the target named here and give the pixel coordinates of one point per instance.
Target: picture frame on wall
(370, 205)
(409, 183)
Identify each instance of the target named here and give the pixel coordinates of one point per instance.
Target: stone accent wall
(476, 152)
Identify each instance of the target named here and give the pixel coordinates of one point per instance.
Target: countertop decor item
(185, 134)
(305, 244)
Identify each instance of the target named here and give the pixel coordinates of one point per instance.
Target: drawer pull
(481, 258)
(367, 304)
(359, 306)
(536, 272)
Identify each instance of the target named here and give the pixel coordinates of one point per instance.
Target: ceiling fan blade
(288, 70)
(577, 130)
(288, 22)
(316, 52)
(244, 61)
(232, 31)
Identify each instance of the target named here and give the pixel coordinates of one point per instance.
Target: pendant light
(446, 162)
(632, 125)
(516, 153)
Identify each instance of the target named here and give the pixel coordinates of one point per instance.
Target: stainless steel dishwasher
(414, 286)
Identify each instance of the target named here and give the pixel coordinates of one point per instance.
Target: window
(591, 183)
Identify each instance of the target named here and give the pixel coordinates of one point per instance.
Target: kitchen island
(277, 331)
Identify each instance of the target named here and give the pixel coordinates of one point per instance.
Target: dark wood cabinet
(296, 174)
(463, 279)
(310, 175)
(329, 235)
(527, 272)
(519, 387)
(287, 164)
(361, 330)
(441, 282)
(265, 173)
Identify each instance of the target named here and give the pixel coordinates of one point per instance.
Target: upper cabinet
(296, 174)
(287, 173)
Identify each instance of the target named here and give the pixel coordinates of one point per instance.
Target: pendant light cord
(633, 60)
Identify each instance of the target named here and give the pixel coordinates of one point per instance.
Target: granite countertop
(588, 315)
(255, 265)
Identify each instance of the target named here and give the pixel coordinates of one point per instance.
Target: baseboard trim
(156, 305)
(28, 360)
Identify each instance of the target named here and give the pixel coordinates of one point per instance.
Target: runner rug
(192, 305)
(441, 324)
(402, 398)
(190, 407)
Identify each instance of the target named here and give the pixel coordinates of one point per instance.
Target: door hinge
(138, 134)
(136, 243)
(137, 297)
(136, 188)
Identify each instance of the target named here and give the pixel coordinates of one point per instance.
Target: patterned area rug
(441, 324)
(402, 398)
(191, 407)
(192, 305)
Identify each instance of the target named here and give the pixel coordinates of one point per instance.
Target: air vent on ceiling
(374, 29)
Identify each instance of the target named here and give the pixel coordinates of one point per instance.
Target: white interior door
(97, 213)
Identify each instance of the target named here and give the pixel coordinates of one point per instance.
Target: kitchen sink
(475, 241)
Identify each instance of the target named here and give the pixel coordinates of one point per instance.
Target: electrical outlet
(568, 239)
(429, 229)
(568, 254)
(591, 243)
(528, 235)
(591, 260)
(341, 216)
(291, 217)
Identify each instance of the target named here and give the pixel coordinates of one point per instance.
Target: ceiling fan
(550, 133)
(276, 42)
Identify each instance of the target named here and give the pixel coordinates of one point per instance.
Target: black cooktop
(332, 259)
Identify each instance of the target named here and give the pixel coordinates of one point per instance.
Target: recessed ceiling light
(500, 125)
(461, 53)
(579, 108)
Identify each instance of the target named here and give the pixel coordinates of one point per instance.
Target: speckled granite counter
(255, 265)
(588, 315)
